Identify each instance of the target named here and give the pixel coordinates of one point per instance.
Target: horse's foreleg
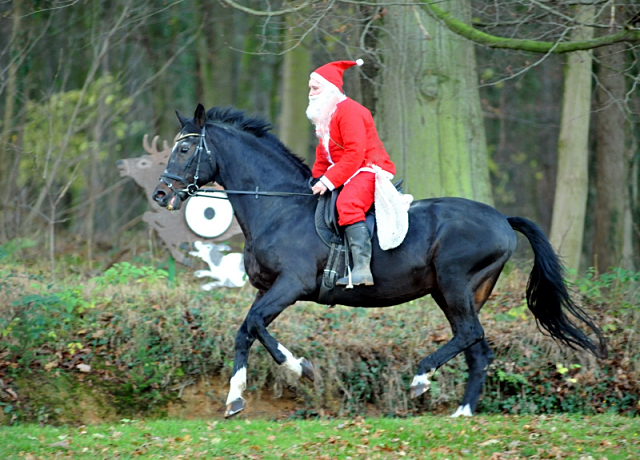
(478, 357)
(238, 383)
(262, 313)
(244, 340)
(466, 332)
(301, 367)
(261, 316)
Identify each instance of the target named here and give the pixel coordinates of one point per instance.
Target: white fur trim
(392, 211)
(373, 169)
(291, 363)
(327, 183)
(364, 169)
(324, 82)
(237, 385)
(464, 411)
(359, 62)
(379, 170)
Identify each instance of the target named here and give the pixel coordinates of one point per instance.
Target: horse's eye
(184, 148)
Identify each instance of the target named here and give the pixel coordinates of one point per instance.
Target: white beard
(321, 108)
(313, 109)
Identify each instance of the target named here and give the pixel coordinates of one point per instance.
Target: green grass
(433, 437)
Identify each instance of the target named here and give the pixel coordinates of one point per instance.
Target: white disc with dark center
(208, 217)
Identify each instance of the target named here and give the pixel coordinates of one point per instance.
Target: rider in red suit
(348, 147)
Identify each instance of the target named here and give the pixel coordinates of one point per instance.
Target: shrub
(144, 340)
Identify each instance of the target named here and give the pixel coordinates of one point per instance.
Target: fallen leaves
(497, 438)
(86, 368)
(65, 443)
(488, 442)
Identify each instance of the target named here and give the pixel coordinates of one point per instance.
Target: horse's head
(190, 165)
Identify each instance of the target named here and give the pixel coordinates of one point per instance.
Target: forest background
(529, 105)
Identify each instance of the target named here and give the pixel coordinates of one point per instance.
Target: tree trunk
(570, 201)
(204, 55)
(224, 74)
(612, 239)
(7, 122)
(429, 113)
(294, 126)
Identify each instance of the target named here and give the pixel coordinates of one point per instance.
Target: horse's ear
(183, 120)
(199, 116)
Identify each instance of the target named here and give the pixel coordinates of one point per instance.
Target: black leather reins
(192, 189)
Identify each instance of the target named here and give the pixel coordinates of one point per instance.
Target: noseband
(190, 189)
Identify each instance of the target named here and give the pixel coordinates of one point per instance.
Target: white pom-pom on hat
(359, 62)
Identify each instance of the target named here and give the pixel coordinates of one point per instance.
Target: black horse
(454, 250)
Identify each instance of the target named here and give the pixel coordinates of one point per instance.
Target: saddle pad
(326, 219)
(326, 234)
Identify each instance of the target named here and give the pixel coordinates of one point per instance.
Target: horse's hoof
(421, 383)
(419, 389)
(463, 411)
(307, 370)
(235, 406)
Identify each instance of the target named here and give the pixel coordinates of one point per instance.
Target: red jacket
(353, 144)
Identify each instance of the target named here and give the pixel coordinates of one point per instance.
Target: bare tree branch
(266, 13)
(465, 30)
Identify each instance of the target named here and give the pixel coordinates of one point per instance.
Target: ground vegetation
(139, 341)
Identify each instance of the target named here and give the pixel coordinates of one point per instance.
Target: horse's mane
(258, 127)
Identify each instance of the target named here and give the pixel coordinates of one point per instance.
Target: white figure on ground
(226, 269)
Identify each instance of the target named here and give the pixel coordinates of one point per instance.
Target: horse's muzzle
(166, 197)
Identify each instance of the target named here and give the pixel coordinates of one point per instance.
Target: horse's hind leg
(478, 357)
(458, 306)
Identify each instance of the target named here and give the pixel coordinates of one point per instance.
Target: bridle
(192, 189)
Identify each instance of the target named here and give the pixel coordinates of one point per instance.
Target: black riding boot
(360, 245)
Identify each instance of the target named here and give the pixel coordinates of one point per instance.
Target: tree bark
(7, 122)
(224, 76)
(205, 55)
(430, 118)
(612, 245)
(569, 205)
(294, 127)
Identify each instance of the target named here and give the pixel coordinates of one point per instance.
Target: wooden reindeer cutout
(172, 227)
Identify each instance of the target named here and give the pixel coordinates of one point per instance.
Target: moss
(57, 397)
(482, 38)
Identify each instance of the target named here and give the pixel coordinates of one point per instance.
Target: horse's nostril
(159, 195)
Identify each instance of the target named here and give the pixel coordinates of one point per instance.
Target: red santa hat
(332, 72)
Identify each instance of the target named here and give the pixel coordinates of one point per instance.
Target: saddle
(326, 219)
(330, 232)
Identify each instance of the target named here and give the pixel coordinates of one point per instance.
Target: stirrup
(347, 281)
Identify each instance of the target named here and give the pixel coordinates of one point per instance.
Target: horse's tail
(548, 297)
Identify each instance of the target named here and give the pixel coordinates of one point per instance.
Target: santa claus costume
(348, 150)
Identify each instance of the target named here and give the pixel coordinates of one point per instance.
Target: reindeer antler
(152, 148)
